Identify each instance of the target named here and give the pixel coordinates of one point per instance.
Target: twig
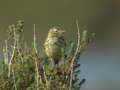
(37, 74)
(73, 59)
(18, 48)
(35, 41)
(5, 50)
(14, 47)
(45, 77)
(40, 80)
(14, 79)
(36, 59)
(20, 55)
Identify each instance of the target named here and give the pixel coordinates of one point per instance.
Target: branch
(35, 41)
(45, 77)
(36, 58)
(37, 74)
(14, 47)
(14, 79)
(5, 50)
(74, 57)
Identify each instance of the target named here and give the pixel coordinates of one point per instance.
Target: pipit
(54, 43)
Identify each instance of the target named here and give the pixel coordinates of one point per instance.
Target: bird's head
(56, 32)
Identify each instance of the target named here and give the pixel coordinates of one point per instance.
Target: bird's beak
(62, 31)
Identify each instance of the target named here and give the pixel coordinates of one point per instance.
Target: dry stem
(14, 47)
(73, 59)
(45, 77)
(5, 50)
(36, 59)
(14, 79)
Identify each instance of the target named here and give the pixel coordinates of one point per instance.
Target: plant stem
(73, 59)
(14, 47)
(14, 79)
(36, 59)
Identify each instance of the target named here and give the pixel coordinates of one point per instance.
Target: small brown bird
(54, 43)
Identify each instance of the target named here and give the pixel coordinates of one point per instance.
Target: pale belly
(53, 51)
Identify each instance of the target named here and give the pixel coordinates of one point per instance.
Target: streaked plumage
(54, 43)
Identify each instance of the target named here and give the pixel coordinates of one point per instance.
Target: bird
(54, 44)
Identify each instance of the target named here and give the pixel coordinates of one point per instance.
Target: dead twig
(14, 79)
(74, 57)
(45, 77)
(36, 59)
(14, 47)
(5, 50)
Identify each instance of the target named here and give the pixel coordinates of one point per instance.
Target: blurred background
(100, 63)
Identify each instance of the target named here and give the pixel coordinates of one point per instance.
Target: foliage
(29, 70)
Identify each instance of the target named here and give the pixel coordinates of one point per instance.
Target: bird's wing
(62, 41)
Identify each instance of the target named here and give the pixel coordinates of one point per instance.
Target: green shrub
(28, 70)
